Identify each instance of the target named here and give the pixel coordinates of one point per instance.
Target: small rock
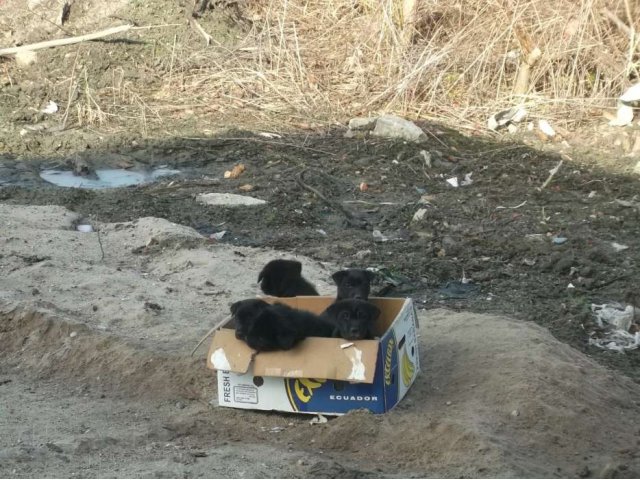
(180, 405)
(515, 413)
(35, 291)
(228, 199)
(94, 308)
(391, 126)
(618, 247)
(73, 334)
(361, 254)
(559, 240)
(583, 472)
(419, 215)
(25, 59)
(54, 447)
(448, 404)
(362, 123)
(152, 306)
(247, 188)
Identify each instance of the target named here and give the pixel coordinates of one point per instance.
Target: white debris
(546, 128)
(419, 215)
(632, 94)
(319, 419)
(453, 181)
(624, 116)
(52, 107)
(618, 247)
(269, 135)
(218, 235)
(379, 237)
(427, 158)
(25, 59)
(467, 180)
(511, 128)
(506, 117)
(84, 228)
(391, 126)
(347, 345)
(616, 320)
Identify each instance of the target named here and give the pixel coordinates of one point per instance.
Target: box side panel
(405, 332)
(302, 395)
(388, 360)
(255, 393)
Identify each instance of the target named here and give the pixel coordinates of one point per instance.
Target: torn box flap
(228, 353)
(327, 358)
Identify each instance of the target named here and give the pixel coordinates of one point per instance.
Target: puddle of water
(106, 178)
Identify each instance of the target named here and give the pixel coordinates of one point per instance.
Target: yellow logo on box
(387, 361)
(300, 390)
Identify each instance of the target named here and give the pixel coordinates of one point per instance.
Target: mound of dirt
(497, 397)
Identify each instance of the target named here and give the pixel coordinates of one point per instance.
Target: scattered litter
(107, 178)
(420, 190)
(419, 215)
(632, 94)
(458, 289)
(515, 413)
(506, 118)
(511, 128)
(346, 345)
(361, 254)
(228, 199)
(615, 322)
(546, 128)
(512, 208)
(467, 180)
(592, 194)
(379, 237)
(528, 262)
(269, 135)
(247, 187)
(559, 240)
(618, 247)
(448, 404)
(25, 59)
(321, 232)
(427, 158)
(84, 228)
(218, 235)
(235, 172)
(318, 420)
(570, 286)
(624, 116)
(52, 107)
(624, 113)
(363, 186)
(391, 126)
(73, 334)
(453, 181)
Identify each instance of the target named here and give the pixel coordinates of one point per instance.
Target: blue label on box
(319, 395)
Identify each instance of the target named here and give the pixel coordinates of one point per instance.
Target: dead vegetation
(455, 60)
(311, 63)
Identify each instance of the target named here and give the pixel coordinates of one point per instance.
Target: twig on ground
(100, 243)
(218, 325)
(65, 41)
(351, 218)
(552, 174)
(194, 23)
(500, 207)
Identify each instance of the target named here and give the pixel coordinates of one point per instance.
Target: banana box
(322, 375)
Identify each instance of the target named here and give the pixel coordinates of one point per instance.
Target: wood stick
(194, 23)
(552, 173)
(218, 325)
(65, 41)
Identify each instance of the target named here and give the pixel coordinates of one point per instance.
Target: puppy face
(353, 319)
(245, 314)
(353, 283)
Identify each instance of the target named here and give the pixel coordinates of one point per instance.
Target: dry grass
(326, 60)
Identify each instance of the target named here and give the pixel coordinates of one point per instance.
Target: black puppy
(267, 327)
(352, 319)
(353, 283)
(283, 278)
(245, 313)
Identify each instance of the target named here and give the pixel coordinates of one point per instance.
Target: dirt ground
(95, 331)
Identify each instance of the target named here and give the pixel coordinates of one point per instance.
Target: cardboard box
(322, 375)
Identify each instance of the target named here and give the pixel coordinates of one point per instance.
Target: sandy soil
(100, 383)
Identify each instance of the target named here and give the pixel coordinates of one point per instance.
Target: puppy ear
(294, 267)
(234, 307)
(332, 310)
(339, 276)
